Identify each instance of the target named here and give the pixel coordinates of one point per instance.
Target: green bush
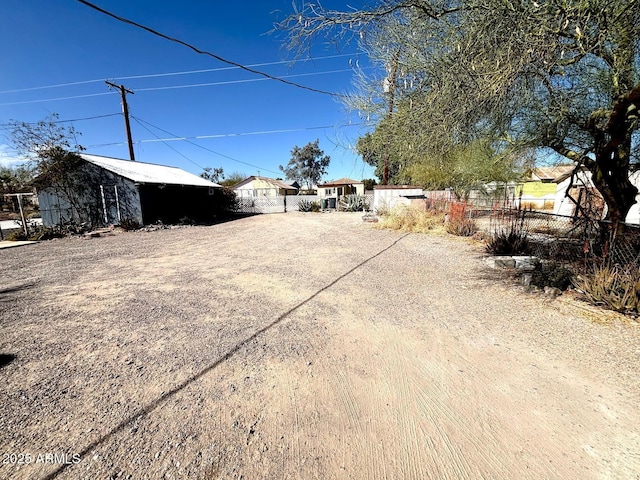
(308, 206)
(354, 203)
(552, 274)
(614, 287)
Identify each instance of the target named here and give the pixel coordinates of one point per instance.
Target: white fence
(280, 204)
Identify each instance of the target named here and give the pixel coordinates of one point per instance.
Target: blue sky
(64, 42)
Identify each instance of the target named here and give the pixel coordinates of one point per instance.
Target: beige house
(338, 188)
(254, 186)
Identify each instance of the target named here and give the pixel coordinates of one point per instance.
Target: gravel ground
(303, 346)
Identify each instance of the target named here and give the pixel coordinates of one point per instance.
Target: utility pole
(392, 90)
(125, 113)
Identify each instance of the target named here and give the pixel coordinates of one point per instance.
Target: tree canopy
(561, 76)
(307, 165)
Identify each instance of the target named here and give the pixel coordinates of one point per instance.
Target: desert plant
(463, 227)
(552, 274)
(304, 205)
(508, 243)
(510, 238)
(383, 209)
(612, 286)
(354, 203)
(409, 218)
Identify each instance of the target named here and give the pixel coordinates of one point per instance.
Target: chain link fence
(569, 240)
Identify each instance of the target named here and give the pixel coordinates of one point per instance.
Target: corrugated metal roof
(141, 172)
(271, 181)
(340, 181)
(550, 173)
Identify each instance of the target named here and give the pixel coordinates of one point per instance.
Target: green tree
(369, 183)
(307, 164)
(556, 75)
(215, 175)
(233, 178)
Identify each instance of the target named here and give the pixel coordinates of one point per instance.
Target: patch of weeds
(463, 227)
(612, 286)
(411, 219)
(129, 224)
(552, 274)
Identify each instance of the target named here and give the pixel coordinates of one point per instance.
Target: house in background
(338, 188)
(578, 196)
(539, 190)
(253, 187)
(103, 190)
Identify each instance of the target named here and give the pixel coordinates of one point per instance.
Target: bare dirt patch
(302, 346)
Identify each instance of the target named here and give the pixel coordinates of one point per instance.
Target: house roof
(396, 187)
(141, 172)
(551, 173)
(340, 181)
(271, 181)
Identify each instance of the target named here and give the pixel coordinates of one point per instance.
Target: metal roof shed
(104, 190)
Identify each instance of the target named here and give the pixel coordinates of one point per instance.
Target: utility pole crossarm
(125, 113)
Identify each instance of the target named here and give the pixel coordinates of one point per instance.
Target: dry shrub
(408, 218)
(463, 227)
(612, 286)
(459, 221)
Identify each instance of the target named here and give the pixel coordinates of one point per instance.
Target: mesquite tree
(560, 76)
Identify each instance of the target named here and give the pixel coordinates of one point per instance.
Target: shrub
(129, 224)
(552, 274)
(36, 233)
(383, 209)
(510, 239)
(411, 219)
(463, 227)
(308, 206)
(613, 287)
(354, 203)
(459, 223)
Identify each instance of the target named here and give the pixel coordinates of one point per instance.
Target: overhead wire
(229, 82)
(205, 52)
(225, 135)
(173, 87)
(207, 149)
(58, 98)
(167, 74)
(166, 143)
(9, 125)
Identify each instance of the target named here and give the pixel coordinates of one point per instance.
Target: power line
(167, 144)
(204, 52)
(58, 98)
(225, 135)
(172, 87)
(168, 74)
(229, 82)
(207, 149)
(9, 125)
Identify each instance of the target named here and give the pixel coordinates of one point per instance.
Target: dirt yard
(302, 346)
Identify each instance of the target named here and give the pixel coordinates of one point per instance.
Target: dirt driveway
(301, 346)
